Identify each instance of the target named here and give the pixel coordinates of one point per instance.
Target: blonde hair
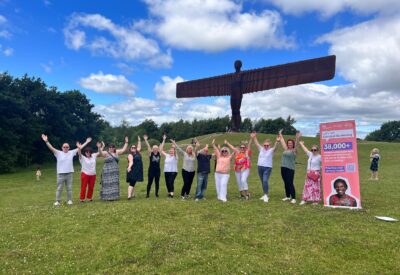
(375, 151)
(227, 149)
(189, 147)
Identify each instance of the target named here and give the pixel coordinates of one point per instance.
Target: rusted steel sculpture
(250, 81)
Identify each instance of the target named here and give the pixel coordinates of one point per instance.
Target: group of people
(223, 155)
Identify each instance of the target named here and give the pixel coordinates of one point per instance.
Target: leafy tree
(389, 131)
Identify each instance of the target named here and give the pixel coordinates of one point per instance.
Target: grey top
(288, 159)
(188, 161)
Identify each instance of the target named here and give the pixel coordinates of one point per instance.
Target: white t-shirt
(314, 162)
(265, 157)
(89, 164)
(171, 163)
(65, 161)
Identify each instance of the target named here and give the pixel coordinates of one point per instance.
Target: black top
(136, 173)
(154, 163)
(203, 163)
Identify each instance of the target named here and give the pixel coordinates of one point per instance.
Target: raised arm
(304, 147)
(139, 144)
(216, 150)
(249, 144)
(196, 147)
(100, 148)
(296, 145)
(145, 137)
(162, 145)
(231, 146)
(89, 139)
(46, 140)
(79, 147)
(123, 149)
(178, 147)
(277, 141)
(282, 140)
(253, 135)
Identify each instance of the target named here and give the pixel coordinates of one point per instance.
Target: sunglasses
(314, 150)
(133, 147)
(266, 145)
(242, 147)
(111, 146)
(224, 151)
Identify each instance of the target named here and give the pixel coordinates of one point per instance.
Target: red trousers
(87, 182)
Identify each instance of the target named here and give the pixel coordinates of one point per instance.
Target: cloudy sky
(127, 56)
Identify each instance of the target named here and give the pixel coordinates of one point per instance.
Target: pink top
(242, 162)
(223, 165)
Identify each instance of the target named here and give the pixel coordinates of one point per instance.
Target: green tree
(389, 131)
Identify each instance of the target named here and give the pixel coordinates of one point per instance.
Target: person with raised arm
(203, 169)
(135, 168)
(109, 190)
(242, 167)
(88, 171)
(188, 168)
(312, 184)
(65, 168)
(170, 167)
(154, 170)
(288, 165)
(222, 170)
(264, 163)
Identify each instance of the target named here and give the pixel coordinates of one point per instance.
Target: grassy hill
(163, 236)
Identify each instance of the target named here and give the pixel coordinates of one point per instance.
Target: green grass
(172, 236)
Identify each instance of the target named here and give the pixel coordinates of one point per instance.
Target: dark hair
(338, 181)
(88, 149)
(111, 145)
(289, 139)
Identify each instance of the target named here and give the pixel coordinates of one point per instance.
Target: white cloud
(368, 54)
(6, 51)
(329, 8)
(124, 43)
(214, 25)
(167, 89)
(47, 67)
(108, 83)
(2, 19)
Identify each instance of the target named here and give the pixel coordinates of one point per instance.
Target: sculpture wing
(285, 75)
(301, 72)
(211, 86)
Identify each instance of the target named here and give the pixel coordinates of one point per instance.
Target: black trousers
(187, 182)
(169, 180)
(153, 174)
(288, 177)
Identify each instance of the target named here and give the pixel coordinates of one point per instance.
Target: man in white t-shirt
(264, 163)
(65, 168)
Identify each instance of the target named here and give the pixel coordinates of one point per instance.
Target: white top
(89, 164)
(64, 161)
(170, 163)
(314, 162)
(265, 157)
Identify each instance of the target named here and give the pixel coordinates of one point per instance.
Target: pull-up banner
(340, 179)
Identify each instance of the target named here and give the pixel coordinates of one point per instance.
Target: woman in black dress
(135, 168)
(154, 167)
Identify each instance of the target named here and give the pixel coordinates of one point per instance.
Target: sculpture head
(238, 65)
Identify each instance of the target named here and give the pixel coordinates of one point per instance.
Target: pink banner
(340, 179)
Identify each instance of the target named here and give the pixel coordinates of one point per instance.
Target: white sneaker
(57, 203)
(266, 199)
(302, 203)
(263, 197)
(293, 201)
(69, 202)
(286, 199)
(196, 200)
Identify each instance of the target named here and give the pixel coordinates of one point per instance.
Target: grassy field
(167, 236)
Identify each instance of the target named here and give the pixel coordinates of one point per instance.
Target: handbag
(312, 175)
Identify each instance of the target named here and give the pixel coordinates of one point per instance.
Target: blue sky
(127, 56)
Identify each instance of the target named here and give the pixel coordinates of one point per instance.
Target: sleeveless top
(154, 163)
